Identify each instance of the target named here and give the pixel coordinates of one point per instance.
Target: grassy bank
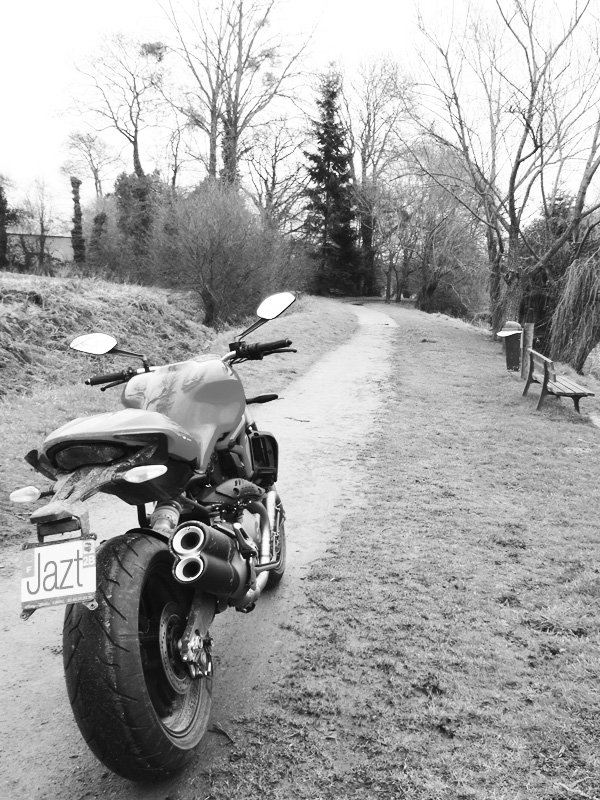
(449, 645)
(42, 380)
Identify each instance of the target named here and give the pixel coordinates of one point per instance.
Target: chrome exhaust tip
(187, 540)
(188, 569)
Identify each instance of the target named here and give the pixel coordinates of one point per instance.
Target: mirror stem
(253, 327)
(144, 358)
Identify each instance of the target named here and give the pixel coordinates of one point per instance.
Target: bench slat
(575, 387)
(560, 389)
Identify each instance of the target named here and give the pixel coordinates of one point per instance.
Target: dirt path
(320, 423)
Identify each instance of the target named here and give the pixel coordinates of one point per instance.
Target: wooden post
(527, 344)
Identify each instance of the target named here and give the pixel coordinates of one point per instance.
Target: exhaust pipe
(268, 523)
(208, 557)
(188, 540)
(211, 558)
(188, 569)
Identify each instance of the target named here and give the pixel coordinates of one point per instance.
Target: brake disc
(172, 625)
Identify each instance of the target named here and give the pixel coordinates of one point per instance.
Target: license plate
(58, 572)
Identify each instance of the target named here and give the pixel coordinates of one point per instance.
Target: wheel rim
(178, 699)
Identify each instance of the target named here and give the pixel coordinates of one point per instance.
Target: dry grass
(450, 645)
(39, 317)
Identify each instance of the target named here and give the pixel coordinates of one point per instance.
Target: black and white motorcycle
(186, 452)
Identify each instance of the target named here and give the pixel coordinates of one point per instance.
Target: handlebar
(111, 377)
(256, 351)
(238, 351)
(265, 347)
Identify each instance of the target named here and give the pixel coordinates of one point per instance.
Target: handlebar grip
(278, 345)
(108, 378)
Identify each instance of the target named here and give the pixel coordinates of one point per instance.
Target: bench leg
(542, 398)
(576, 401)
(527, 385)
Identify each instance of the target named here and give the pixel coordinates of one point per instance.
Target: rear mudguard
(66, 511)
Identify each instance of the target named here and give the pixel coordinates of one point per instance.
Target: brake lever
(114, 383)
(283, 350)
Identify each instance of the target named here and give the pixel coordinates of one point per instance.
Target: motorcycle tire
(134, 700)
(275, 575)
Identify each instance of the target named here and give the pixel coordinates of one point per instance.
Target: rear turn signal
(28, 494)
(142, 474)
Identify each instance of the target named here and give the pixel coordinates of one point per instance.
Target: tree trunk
(211, 310)
(512, 298)
(230, 152)
(399, 282)
(388, 285)
(496, 304)
(367, 223)
(425, 296)
(3, 246)
(513, 280)
(137, 164)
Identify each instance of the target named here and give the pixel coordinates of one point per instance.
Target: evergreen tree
(136, 197)
(77, 239)
(330, 224)
(8, 216)
(97, 241)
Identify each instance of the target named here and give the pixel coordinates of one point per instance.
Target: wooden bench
(541, 370)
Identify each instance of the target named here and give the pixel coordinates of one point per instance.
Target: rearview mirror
(275, 305)
(96, 344)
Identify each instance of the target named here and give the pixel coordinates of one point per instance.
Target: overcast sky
(43, 40)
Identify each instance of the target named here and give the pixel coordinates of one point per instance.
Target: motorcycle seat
(117, 426)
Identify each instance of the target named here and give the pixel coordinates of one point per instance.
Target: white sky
(41, 41)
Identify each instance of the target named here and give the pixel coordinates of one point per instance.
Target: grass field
(449, 646)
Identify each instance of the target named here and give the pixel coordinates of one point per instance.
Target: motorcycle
(187, 454)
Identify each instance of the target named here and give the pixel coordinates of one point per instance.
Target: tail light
(81, 455)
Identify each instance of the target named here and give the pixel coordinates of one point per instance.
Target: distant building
(57, 247)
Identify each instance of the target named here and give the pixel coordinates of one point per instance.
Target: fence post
(527, 343)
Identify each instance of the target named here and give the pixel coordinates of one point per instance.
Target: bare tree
(516, 99)
(278, 178)
(397, 235)
(125, 78)
(37, 223)
(91, 155)
(200, 39)
(377, 106)
(237, 69)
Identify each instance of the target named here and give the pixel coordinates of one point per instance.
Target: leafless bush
(211, 242)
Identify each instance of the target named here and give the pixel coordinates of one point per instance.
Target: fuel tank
(203, 396)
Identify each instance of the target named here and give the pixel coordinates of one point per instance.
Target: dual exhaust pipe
(208, 557)
(212, 559)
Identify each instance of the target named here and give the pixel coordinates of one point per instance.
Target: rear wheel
(133, 697)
